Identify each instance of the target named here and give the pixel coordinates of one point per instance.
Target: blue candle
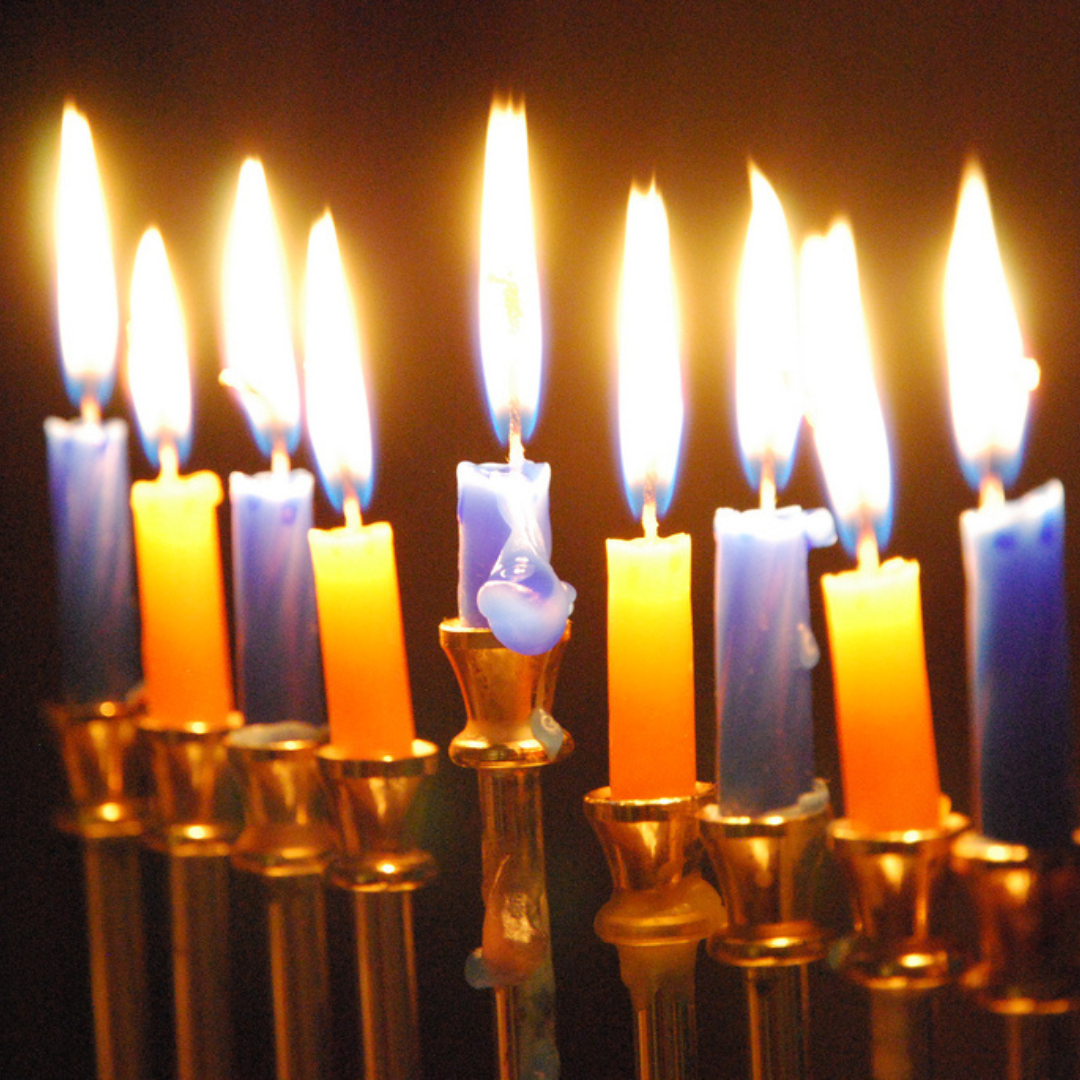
(1019, 655)
(1017, 629)
(91, 516)
(765, 651)
(277, 631)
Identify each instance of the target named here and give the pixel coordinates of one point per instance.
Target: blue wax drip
(278, 657)
(505, 577)
(765, 651)
(1019, 668)
(92, 537)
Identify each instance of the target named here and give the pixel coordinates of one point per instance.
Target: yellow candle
(182, 600)
(884, 723)
(650, 668)
(363, 643)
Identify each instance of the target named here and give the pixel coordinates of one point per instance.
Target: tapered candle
(88, 458)
(765, 649)
(650, 634)
(277, 633)
(184, 635)
(367, 679)
(1018, 649)
(873, 613)
(505, 578)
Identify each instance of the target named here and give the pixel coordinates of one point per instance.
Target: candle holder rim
(600, 805)
(845, 832)
(263, 741)
(773, 821)
(422, 762)
(975, 847)
(483, 637)
(192, 729)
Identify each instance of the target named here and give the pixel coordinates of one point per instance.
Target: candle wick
(648, 517)
(91, 410)
(867, 549)
(517, 448)
(170, 460)
(279, 458)
(991, 491)
(768, 484)
(351, 506)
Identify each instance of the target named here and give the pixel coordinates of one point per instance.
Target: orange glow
(768, 391)
(510, 332)
(86, 281)
(990, 380)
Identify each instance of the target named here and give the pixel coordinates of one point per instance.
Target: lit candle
(277, 632)
(88, 458)
(184, 636)
(367, 679)
(650, 635)
(765, 648)
(873, 613)
(505, 579)
(1018, 649)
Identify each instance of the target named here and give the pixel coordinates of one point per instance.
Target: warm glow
(989, 378)
(510, 336)
(157, 351)
(258, 340)
(650, 382)
(844, 408)
(85, 279)
(336, 399)
(768, 393)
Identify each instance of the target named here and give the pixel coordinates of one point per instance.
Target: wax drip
(524, 602)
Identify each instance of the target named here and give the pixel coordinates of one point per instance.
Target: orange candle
(650, 637)
(884, 723)
(356, 586)
(184, 635)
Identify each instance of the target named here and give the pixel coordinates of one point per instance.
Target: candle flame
(261, 365)
(510, 334)
(768, 392)
(85, 277)
(338, 419)
(990, 381)
(157, 362)
(650, 384)
(845, 411)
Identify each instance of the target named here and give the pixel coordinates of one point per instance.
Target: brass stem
(778, 1010)
(901, 1035)
(665, 1027)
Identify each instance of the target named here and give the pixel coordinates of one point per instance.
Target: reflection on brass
(767, 868)
(286, 843)
(98, 745)
(1028, 908)
(661, 909)
(376, 860)
(897, 884)
(502, 691)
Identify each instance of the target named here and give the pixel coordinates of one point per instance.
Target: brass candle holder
(284, 847)
(98, 747)
(194, 818)
(378, 865)
(901, 949)
(767, 868)
(509, 735)
(660, 911)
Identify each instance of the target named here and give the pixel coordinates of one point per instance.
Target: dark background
(378, 111)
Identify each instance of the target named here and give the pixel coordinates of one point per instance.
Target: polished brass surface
(502, 690)
(194, 818)
(376, 860)
(661, 909)
(897, 884)
(767, 868)
(98, 746)
(1028, 908)
(286, 843)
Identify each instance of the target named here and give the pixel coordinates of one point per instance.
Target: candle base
(1028, 907)
(509, 735)
(660, 911)
(193, 822)
(98, 746)
(376, 862)
(768, 867)
(285, 846)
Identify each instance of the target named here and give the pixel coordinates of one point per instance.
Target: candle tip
(170, 460)
(90, 409)
(991, 491)
(867, 549)
(767, 488)
(351, 507)
(648, 517)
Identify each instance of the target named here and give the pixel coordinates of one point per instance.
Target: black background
(378, 111)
